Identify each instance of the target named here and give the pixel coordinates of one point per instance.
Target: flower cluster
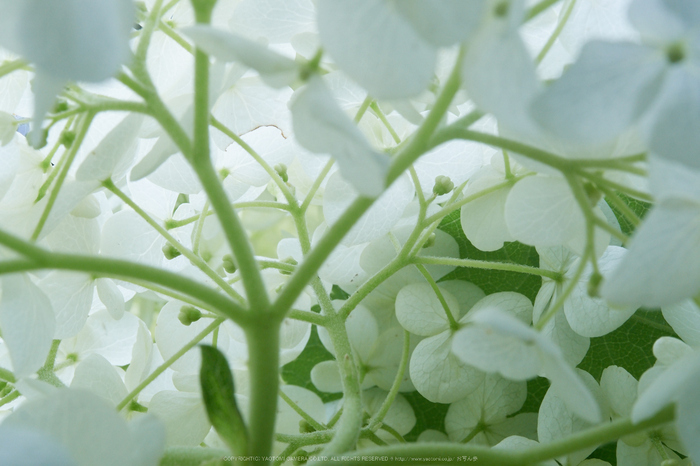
(301, 228)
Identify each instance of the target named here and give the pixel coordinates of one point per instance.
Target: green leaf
(218, 395)
(629, 347)
(493, 281)
(638, 207)
(429, 415)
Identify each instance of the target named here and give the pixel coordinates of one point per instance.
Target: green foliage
(629, 346)
(492, 281)
(218, 395)
(638, 207)
(428, 415)
(298, 372)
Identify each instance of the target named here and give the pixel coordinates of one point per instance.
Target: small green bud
(592, 192)
(288, 260)
(189, 314)
(443, 185)
(430, 242)
(281, 170)
(170, 252)
(305, 427)
(501, 9)
(675, 53)
(67, 138)
(61, 106)
(593, 284)
(223, 173)
(229, 264)
(72, 357)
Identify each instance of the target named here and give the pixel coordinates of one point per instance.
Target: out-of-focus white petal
(442, 22)
(602, 94)
(321, 127)
(376, 46)
(662, 266)
(27, 321)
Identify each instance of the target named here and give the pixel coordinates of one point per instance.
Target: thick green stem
(201, 162)
(263, 366)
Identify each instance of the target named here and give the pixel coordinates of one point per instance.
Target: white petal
(98, 376)
(499, 75)
(602, 94)
(620, 389)
(88, 426)
(665, 388)
(276, 21)
(438, 374)
(27, 321)
(483, 219)
(441, 22)
(592, 317)
(326, 377)
(183, 415)
(556, 421)
(376, 46)
(111, 297)
(77, 39)
(684, 317)
(275, 69)
(688, 412)
(114, 153)
(514, 303)
(420, 312)
(676, 132)
(148, 440)
(112, 339)
(71, 299)
(127, 236)
(662, 266)
(321, 127)
(542, 211)
(27, 446)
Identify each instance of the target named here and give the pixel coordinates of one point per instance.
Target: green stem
(377, 419)
(169, 362)
(317, 184)
(117, 268)
(83, 127)
(448, 312)
(46, 373)
(201, 162)
(313, 422)
(263, 366)
(478, 264)
(8, 398)
(539, 8)
(8, 67)
(557, 31)
(7, 376)
(193, 258)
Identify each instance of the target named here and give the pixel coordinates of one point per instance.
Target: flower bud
(61, 106)
(229, 264)
(430, 241)
(281, 170)
(675, 53)
(443, 185)
(67, 138)
(305, 427)
(170, 252)
(593, 284)
(189, 314)
(300, 457)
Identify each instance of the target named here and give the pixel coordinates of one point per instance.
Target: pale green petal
(676, 132)
(71, 299)
(376, 46)
(98, 376)
(438, 374)
(27, 321)
(662, 266)
(684, 317)
(321, 127)
(183, 415)
(620, 389)
(419, 310)
(275, 69)
(602, 94)
(326, 377)
(542, 211)
(442, 22)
